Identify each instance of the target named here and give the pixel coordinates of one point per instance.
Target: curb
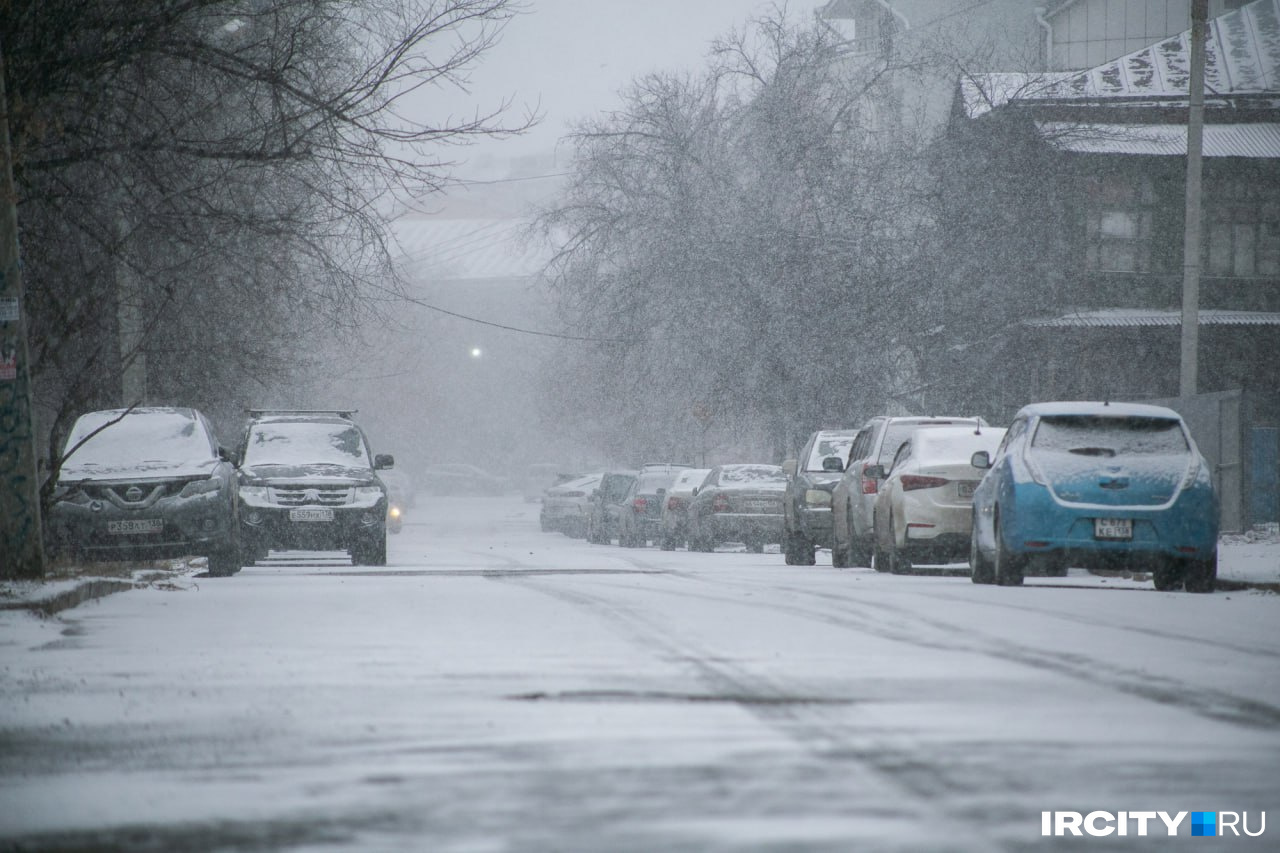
(86, 591)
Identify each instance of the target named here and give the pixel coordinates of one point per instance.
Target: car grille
(133, 494)
(311, 495)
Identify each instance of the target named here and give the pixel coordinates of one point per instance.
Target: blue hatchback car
(1096, 484)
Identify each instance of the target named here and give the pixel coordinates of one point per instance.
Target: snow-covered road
(497, 688)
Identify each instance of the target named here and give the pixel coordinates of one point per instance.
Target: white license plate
(965, 488)
(136, 525)
(311, 515)
(1113, 528)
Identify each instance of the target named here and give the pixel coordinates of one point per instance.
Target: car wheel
(898, 564)
(798, 548)
(372, 552)
(839, 555)
(224, 562)
(980, 568)
(1201, 575)
(1167, 574)
(1008, 566)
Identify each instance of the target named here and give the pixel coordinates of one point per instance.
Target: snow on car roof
(1099, 409)
(136, 442)
(690, 478)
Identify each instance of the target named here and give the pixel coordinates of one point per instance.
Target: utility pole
(21, 534)
(1191, 236)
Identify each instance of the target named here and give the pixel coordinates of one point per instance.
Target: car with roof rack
(308, 480)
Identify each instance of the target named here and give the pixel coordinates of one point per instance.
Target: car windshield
(1101, 435)
(829, 444)
(753, 475)
(154, 436)
(306, 443)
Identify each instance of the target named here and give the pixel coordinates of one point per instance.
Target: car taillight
(674, 502)
(720, 503)
(911, 482)
(640, 504)
(869, 484)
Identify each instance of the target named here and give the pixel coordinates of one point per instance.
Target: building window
(1242, 229)
(1118, 221)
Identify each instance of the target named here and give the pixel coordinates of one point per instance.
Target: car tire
(980, 568)
(224, 562)
(1008, 566)
(1167, 574)
(1201, 575)
(839, 555)
(898, 564)
(798, 549)
(372, 552)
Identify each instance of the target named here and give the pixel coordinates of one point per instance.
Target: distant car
(606, 506)
(146, 483)
(308, 480)
(807, 505)
(738, 503)
(674, 524)
(924, 511)
(853, 499)
(641, 516)
(1089, 484)
(399, 498)
(566, 507)
(451, 479)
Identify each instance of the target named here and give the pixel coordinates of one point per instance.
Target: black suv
(146, 483)
(807, 502)
(308, 481)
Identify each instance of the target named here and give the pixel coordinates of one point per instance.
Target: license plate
(966, 488)
(136, 525)
(1113, 528)
(311, 515)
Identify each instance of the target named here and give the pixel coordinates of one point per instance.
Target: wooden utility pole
(1191, 236)
(21, 535)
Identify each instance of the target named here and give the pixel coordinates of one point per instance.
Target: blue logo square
(1204, 823)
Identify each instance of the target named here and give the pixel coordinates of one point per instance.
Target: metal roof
(1114, 318)
(1220, 140)
(1242, 56)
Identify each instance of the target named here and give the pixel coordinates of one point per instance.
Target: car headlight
(258, 492)
(817, 497)
(201, 487)
(394, 512)
(369, 491)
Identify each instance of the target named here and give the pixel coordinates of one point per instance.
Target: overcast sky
(569, 58)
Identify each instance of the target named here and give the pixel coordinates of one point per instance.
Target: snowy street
(498, 688)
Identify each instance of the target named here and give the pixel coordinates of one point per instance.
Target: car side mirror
(980, 460)
(661, 492)
(833, 464)
(790, 466)
(695, 491)
(875, 472)
(228, 456)
(383, 461)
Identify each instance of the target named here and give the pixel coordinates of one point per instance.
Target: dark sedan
(738, 503)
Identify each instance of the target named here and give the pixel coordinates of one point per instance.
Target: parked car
(566, 508)
(606, 506)
(308, 480)
(146, 483)
(853, 499)
(452, 479)
(924, 510)
(674, 524)
(738, 503)
(1093, 484)
(641, 516)
(807, 504)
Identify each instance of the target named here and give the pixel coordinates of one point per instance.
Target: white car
(924, 509)
(853, 499)
(566, 507)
